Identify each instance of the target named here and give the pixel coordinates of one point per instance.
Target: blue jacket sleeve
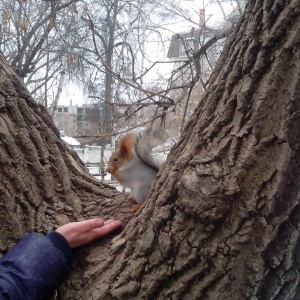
(33, 268)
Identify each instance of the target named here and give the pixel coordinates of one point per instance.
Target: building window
(80, 110)
(59, 109)
(189, 46)
(80, 118)
(65, 109)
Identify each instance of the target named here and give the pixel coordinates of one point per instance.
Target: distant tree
(51, 42)
(128, 74)
(37, 38)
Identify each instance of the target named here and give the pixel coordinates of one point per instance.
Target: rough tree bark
(222, 219)
(42, 184)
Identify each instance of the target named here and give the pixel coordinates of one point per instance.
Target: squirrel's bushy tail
(147, 140)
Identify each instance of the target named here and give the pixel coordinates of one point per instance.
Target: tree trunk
(111, 24)
(222, 219)
(61, 82)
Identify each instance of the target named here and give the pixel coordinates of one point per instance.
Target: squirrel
(133, 165)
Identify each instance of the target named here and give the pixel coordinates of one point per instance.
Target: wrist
(59, 242)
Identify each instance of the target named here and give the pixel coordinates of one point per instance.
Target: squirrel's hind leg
(136, 206)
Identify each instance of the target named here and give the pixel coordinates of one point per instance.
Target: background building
(79, 120)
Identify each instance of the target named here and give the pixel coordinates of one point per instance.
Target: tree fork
(214, 223)
(221, 220)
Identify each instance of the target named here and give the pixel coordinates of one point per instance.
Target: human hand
(81, 233)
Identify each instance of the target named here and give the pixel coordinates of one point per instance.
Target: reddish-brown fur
(123, 154)
(127, 143)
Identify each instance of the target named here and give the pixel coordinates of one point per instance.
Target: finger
(107, 229)
(89, 225)
(109, 221)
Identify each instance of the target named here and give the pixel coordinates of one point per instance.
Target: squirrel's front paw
(130, 198)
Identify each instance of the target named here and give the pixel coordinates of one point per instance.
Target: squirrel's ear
(126, 145)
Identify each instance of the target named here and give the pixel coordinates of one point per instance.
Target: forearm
(33, 267)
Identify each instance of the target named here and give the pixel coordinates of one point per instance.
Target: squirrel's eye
(115, 159)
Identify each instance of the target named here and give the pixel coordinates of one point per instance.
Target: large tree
(222, 219)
